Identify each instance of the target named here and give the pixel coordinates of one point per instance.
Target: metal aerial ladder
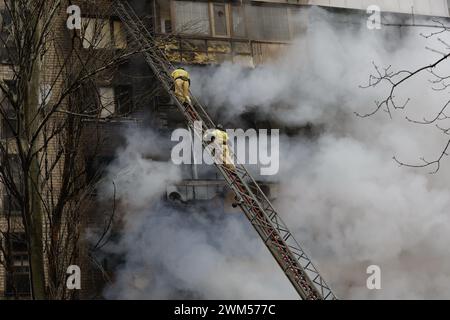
(254, 203)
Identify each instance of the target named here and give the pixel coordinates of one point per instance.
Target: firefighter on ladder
(182, 83)
(220, 138)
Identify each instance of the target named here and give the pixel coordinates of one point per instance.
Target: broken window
(12, 86)
(124, 99)
(237, 16)
(96, 33)
(8, 124)
(103, 33)
(9, 127)
(192, 17)
(45, 93)
(299, 21)
(96, 166)
(17, 280)
(13, 182)
(268, 23)
(107, 101)
(11, 206)
(7, 44)
(120, 38)
(6, 102)
(220, 19)
(166, 26)
(163, 8)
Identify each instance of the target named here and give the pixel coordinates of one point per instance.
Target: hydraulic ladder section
(287, 252)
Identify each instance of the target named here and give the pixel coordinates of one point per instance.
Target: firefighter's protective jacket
(181, 74)
(181, 85)
(221, 137)
(221, 140)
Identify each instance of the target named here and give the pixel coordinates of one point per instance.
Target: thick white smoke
(347, 202)
(185, 251)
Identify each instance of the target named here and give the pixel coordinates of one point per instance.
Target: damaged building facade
(194, 34)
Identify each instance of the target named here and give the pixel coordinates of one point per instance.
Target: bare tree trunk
(32, 179)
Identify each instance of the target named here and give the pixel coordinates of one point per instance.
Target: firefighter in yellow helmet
(220, 137)
(182, 82)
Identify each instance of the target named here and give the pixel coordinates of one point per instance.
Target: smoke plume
(344, 198)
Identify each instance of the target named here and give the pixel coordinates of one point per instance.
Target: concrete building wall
(422, 7)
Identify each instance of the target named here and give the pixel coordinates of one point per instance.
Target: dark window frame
(112, 44)
(226, 19)
(17, 280)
